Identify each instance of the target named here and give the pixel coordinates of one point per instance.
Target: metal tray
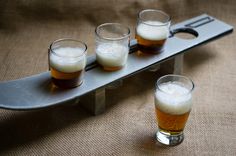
(37, 91)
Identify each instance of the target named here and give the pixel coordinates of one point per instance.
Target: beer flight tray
(37, 91)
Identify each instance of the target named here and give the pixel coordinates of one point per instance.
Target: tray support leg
(95, 101)
(178, 64)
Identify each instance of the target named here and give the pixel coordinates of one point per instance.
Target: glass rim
(154, 10)
(179, 76)
(67, 39)
(112, 38)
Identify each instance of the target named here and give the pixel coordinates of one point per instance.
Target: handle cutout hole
(185, 33)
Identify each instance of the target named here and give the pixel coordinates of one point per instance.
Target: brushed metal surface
(37, 91)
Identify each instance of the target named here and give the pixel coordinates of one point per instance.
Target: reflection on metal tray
(37, 92)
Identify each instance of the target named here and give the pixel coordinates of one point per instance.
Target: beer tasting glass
(173, 102)
(112, 45)
(152, 30)
(67, 61)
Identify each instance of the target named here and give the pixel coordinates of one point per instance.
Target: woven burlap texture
(128, 126)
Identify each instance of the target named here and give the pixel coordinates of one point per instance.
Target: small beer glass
(67, 61)
(112, 45)
(152, 30)
(173, 102)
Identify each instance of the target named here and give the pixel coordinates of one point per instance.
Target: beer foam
(112, 54)
(153, 30)
(173, 98)
(68, 59)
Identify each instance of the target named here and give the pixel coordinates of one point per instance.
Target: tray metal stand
(37, 92)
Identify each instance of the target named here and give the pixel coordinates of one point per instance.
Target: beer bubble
(111, 54)
(153, 30)
(68, 59)
(173, 98)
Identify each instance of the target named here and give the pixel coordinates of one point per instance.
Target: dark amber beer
(151, 40)
(173, 102)
(67, 63)
(66, 80)
(152, 30)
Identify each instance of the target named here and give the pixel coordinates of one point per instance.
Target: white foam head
(173, 98)
(153, 30)
(68, 59)
(112, 54)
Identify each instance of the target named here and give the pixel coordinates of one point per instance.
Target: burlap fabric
(128, 126)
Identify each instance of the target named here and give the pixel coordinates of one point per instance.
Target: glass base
(168, 139)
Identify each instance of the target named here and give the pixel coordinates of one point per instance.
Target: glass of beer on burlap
(152, 30)
(67, 61)
(112, 45)
(173, 102)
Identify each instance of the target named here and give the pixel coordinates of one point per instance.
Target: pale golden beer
(171, 123)
(112, 45)
(173, 102)
(67, 60)
(152, 30)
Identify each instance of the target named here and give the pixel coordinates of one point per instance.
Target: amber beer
(66, 80)
(172, 107)
(173, 102)
(171, 123)
(67, 65)
(152, 30)
(151, 39)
